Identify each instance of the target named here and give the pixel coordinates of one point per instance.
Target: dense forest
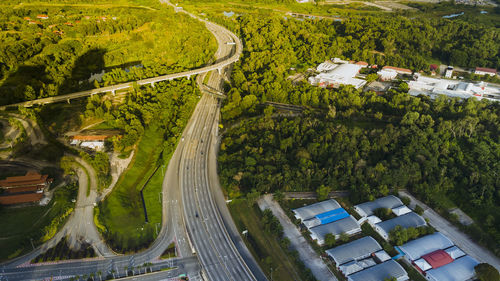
(52, 49)
(446, 151)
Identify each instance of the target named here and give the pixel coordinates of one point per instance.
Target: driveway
(306, 253)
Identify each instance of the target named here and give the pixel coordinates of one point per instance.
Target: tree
(323, 192)
(419, 210)
(344, 237)
(486, 272)
(371, 77)
(330, 240)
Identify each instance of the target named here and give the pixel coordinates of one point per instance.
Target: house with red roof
(23, 189)
(485, 71)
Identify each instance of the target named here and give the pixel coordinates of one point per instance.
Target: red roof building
(438, 258)
(24, 189)
(398, 70)
(363, 63)
(485, 71)
(43, 17)
(91, 138)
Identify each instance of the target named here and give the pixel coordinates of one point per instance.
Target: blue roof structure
(331, 216)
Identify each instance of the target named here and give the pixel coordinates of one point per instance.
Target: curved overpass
(214, 28)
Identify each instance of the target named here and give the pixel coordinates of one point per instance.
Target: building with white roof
(389, 202)
(342, 74)
(349, 226)
(461, 269)
(401, 210)
(355, 250)
(380, 272)
(310, 211)
(451, 88)
(415, 249)
(406, 221)
(485, 71)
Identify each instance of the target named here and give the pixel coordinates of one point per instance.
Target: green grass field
(264, 247)
(122, 212)
(20, 224)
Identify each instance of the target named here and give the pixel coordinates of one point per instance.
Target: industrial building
(485, 71)
(406, 221)
(434, 87)
(348, 225)
(380, 272)
(389, 202)
(438, 259)
(326, 217)
(333, 75)
(24, 189)
(358, 255)
(388, 73)
(310, 211)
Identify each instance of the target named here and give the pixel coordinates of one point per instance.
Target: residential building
(448, 73)
(380, 272)
(485, 71)
(24, 189)
(461, 269)
(408, 220)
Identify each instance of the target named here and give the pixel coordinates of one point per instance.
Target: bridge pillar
(219, 71)
(152, 84)
(68, 100)
(189, 77)
(113, 92)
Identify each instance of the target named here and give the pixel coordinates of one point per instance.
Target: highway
(192, 219)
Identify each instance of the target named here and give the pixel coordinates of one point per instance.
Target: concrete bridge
(214, 28)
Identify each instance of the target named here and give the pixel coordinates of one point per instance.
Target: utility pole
(31, 239)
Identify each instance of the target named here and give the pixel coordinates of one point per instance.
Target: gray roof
(461, 269)
(425, 245)
(346, 225)
(354, 250)
(388, 202)
(380, 271)
(312, 210)
(407, 220)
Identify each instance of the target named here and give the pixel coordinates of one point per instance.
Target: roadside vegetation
(62, 252)
(266, 242)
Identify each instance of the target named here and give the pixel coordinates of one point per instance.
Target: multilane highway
(192, 218)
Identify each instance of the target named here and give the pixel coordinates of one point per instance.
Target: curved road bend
(171, 209)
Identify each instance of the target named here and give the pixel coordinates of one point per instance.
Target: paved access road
(458, 237)
(306, 253)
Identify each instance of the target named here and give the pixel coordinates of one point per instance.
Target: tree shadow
(30, 82)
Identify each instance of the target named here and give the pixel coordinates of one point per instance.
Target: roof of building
(407, 220)
(397, 69)
(401, 210)
(333, 215)
(388, 202)
(382, 255)
(31, 178)
(437, 258)
(461, 269)
(312, 210)
(91, 138)
(455, 252)
(350, 268)
(422, 264)
(362, 63)
(354, 250)
(20, 198)
(424, 245)
(379, 272)
(485, 69)
(346, 225)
